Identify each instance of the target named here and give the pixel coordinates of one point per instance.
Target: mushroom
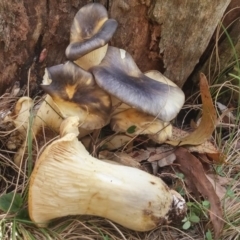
(71, 91)
(90, 32)
(75, 93)
(67, 180)
(20, 119)
(118, 75)
(134, 122)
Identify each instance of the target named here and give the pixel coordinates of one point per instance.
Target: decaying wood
(187, 27)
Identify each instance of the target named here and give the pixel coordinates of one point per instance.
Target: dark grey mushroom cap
(119, 76)
(76, 93)
(91, 29)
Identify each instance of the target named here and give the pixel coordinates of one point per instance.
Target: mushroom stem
(19, 117)
(67, 180)
(48, 115)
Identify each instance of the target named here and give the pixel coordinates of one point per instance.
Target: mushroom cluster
(98, 85)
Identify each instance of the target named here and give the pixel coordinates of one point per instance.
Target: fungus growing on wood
(67, 180)
(90, 32)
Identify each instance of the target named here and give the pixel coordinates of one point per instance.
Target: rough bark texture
(136, 34)
(223, 53)
(187, 27)
(26, 28)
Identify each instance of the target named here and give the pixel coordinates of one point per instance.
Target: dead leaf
(152, 154)
(207, 147)
(216, 183)
(194, 172)
(217, 157)
(166, 161)
(208, 122)
(159, 153)
(140, 155)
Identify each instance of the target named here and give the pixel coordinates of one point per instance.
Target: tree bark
(187, 27)
(183, 29)
(26, 28)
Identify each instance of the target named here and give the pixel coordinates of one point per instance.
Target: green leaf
(7, 199)
(186, 225)
(131, 129)
(194, 218)
(23, 214)
(180, 175)
(209, 235)
(230, 193)
(106, 237)
(190, 204)
(206, 203)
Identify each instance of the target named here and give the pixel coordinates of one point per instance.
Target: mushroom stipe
(67, 180)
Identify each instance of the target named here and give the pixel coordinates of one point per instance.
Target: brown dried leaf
(159, 153)
(206, 147)
(166, 161)
(152, 154)
(217, 183)
(194, 172)
(208, 122)
(140, 155)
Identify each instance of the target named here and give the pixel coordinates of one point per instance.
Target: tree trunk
(34, 34)
(26, 28)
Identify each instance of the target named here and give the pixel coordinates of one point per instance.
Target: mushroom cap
(75, 93)
(91, 29)
(119, 75)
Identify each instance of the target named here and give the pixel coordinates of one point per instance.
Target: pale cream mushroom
(90, 33)
(20, 119)
(67, 180)
(71, 91)
(134, 122)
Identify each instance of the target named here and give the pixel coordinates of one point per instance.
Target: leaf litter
(202, 184)
(208, 121)
(193, 170)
